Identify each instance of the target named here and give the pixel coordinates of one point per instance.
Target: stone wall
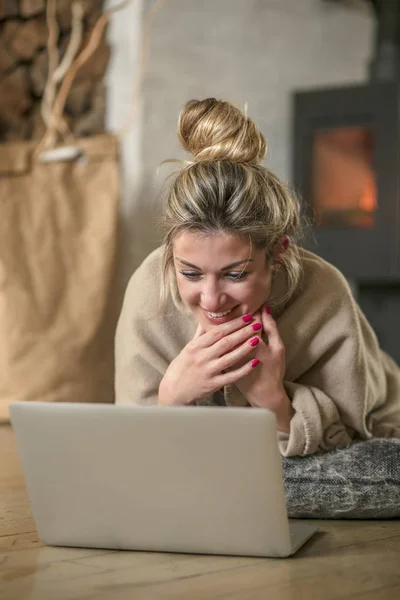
(24, 68)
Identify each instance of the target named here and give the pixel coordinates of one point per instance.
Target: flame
(368, 202)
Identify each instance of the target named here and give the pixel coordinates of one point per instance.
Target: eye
(191, 275)
(237, 276)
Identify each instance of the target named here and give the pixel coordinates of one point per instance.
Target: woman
(246, 317)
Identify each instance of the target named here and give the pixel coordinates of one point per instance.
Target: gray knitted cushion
(359, 482)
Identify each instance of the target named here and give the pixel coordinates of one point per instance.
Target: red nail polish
(254, 362)
(254, 341)
(267, 309)
(256, 326)
(247, 318)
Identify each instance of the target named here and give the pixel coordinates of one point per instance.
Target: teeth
(219, 315)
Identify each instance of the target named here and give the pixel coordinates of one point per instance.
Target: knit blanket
(358, 482)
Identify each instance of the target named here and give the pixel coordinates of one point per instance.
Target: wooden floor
(353, 559)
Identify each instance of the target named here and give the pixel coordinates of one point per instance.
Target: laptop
(204, 480)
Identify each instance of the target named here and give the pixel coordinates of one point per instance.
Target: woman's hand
(263, 387)
(197, 371)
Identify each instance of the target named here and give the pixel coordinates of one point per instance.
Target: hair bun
(215, 130)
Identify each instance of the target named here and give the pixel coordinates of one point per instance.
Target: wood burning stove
(346, 166)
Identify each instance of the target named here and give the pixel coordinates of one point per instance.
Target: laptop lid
(182, 479)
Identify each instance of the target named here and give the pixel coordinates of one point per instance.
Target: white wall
(124, 36)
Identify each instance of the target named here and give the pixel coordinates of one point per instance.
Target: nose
(212, 296)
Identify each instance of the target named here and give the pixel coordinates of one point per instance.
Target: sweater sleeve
(316, 424)
(335, 375)
(148, 337)
(139, 367)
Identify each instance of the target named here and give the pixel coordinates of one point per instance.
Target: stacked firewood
(24, 69)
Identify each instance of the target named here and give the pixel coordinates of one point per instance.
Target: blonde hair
(227, 189)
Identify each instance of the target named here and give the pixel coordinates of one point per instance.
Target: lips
(219, 317)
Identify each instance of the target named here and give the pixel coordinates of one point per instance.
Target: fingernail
(256, 326)
(254, 362)
(254, 341)
(247, 318)
(267, 309)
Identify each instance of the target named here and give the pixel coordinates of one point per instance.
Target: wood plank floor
(345, 559)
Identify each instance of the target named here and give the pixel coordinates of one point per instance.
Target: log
(92, 122)
(8, 8)
(95, 67)
(28, 8)
(13, 132)
(64, 15)
(15, 96)
(29, 36)
(93, 12)
(79, 98)
(8, 32)
(36, 124)
(38, 73)
(7, 61)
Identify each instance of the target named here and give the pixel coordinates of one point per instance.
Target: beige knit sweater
(341, 384)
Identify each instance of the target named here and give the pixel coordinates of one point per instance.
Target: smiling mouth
(219, 315)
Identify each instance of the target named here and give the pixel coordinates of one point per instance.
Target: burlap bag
(58, 240)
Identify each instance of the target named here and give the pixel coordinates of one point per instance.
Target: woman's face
(218, 278)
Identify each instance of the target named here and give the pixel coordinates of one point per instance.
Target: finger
(258, 316)
(232, 376)
(237, 355)
(218, 332)
(234, 340)
(258, 319)
(271, 330)
(199, 331)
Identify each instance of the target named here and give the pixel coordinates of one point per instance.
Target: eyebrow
(231, 266)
